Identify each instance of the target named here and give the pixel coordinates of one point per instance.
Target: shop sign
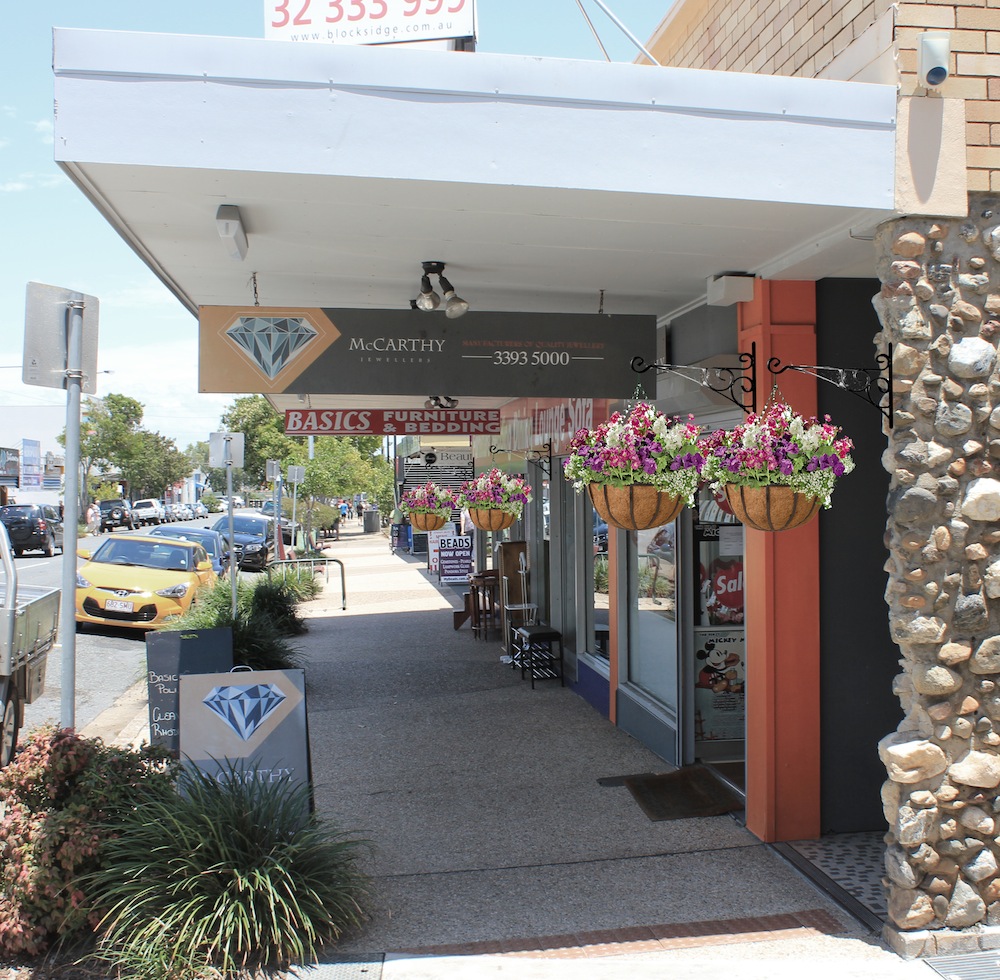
(368, 21)
(401, 352)
(248, 721)
(391, 422)
(455, 558)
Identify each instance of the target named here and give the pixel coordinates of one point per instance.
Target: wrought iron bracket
(873, 384)
(541, 456)
(736, 383)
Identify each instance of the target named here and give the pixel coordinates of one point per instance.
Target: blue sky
(52, 234)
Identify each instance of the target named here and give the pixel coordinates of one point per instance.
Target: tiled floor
(643, 939)
(852, 861)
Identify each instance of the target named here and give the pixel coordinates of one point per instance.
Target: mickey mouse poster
(721, 684)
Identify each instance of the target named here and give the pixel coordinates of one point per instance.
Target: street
(108, 661)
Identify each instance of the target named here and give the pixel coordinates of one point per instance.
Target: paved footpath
(496, 851)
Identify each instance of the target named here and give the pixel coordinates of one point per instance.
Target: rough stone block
(909, 944)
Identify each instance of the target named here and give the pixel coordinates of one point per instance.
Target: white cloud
(33, 181)
(14, 186)
(44, 129)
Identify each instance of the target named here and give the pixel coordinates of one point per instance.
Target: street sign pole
(71, 508)
(228, 441)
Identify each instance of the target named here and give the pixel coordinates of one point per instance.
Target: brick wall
(813, 38)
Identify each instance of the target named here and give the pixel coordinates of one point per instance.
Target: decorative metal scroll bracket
(541, 456)
(737, 384)
(873, 384)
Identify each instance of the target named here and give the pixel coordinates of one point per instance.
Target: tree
(264, 432)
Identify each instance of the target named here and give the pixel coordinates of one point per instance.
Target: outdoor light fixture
(454, 306)
(231, 230)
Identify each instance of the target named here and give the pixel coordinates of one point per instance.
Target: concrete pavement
(495, 850)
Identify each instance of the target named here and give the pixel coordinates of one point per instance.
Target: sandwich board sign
(248, 721)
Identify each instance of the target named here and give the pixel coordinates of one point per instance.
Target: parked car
(149, 511)
(33, 527)
(185, 511)
(140, 581)
(213, 543)
(287, 527)
(117, 513)
(252, 536)
(199, 510)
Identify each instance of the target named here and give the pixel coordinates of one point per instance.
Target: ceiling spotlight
(429, 300)
(454, 306)
(229, 224)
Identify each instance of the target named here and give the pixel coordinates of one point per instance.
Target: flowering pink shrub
(643, 447)
(779, 447)
(495, 490)
(428, 499)
(58, 801)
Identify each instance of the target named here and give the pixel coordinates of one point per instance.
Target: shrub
(275, 598)
(54, 794)
(258, 642)
(232, 875)
(301, 581)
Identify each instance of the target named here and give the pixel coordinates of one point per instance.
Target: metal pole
(625, 31)
(233, 561)
(295, 494)
(71, 509)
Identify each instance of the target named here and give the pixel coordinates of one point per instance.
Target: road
(108, 661)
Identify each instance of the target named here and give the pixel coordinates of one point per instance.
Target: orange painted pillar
(781, 595)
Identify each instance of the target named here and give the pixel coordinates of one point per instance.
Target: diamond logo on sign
(272, 341)
(244, 708)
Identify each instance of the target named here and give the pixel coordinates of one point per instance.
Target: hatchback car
(213, 543)
(149, 511)
(140, 581)
(252, 536)
(33, 527)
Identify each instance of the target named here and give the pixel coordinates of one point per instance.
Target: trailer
(29, 625)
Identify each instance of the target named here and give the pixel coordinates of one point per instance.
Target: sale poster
(720, 688)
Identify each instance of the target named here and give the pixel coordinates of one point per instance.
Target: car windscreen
(206, 539)
(175, 556)
(245, 525)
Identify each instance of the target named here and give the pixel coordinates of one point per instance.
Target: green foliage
(55, 792)
(274, 598)
(226, 878)
(264, 429)
(211, 502)
(258, 641)
(301, 582)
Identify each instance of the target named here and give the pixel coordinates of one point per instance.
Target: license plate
(118, 605)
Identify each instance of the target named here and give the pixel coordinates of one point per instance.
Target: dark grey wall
(858, 660)
(703, 332)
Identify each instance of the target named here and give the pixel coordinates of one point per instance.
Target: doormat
(694, 791)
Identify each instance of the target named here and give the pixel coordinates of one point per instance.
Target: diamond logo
(272, 342)
(244, 708)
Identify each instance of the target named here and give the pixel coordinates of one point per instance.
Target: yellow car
(140, 582)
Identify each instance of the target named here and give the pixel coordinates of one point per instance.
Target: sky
(50, 233)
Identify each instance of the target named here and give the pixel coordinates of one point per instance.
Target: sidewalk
(496, 851)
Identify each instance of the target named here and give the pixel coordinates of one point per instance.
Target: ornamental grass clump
(495, 490)
(61, 798)
(428, 499)
(780, 448)
(230, 876)
(643, 448)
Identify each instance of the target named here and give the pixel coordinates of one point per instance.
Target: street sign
(296, 474)
(46, 333)
(273, 470)
(224, 448)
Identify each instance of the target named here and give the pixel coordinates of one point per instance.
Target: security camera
(934, 50)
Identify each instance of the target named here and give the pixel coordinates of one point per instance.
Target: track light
(229, 224)
(454, 306)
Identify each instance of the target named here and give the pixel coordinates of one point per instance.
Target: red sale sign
(368, 21)
(391, 422)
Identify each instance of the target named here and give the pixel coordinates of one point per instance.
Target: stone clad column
(939, 306)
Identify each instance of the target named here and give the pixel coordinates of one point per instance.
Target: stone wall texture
(939, 306)
(805, 37)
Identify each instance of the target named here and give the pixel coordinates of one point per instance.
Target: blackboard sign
(168, 655)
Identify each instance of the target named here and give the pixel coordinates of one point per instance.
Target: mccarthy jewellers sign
(406, 352)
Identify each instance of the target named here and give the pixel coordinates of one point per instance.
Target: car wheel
(50, 547)
(18, 552)
(8, 726)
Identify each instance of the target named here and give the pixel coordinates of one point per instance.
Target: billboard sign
(404, 352)
(368, 21)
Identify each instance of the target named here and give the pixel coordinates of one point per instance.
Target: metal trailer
(29, 624)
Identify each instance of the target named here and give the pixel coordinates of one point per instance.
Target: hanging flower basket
(778, 468)
(635, 507)
(428, 507)
(640, 469)
(426, 522)
(489, 519)
(771, 508)
(494, 499)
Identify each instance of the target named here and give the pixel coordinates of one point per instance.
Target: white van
(149, 511)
